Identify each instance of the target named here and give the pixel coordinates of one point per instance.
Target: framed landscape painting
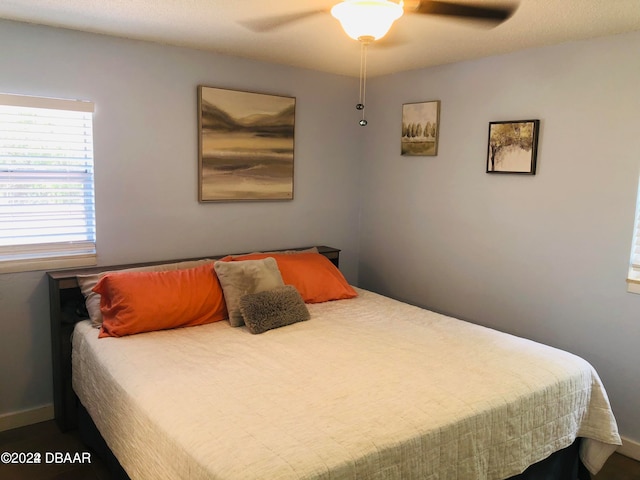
(420, 124)
(245, 145)
(513, 147)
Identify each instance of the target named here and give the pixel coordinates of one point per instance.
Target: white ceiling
(317, 41)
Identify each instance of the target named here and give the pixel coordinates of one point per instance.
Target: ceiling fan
(369, 20)
(374, 12)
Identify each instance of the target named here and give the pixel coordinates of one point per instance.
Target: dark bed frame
(67, 307)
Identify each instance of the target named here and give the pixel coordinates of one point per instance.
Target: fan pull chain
(364, 43)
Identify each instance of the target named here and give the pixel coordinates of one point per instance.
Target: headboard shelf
(66, 306)
(67, 278)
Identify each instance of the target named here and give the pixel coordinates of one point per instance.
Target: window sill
(633, 280)
(633, 286)
(52, 263)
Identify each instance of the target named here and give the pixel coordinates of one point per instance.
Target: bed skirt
(564, 464)
(92, 438)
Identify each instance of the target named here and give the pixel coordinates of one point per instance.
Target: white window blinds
(634, 267)
(47, 214)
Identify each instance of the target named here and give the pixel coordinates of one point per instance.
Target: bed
(365, 387)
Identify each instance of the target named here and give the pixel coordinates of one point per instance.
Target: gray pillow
(273, 309)
(245, 276)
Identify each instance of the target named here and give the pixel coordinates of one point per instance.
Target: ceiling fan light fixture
(367, 18)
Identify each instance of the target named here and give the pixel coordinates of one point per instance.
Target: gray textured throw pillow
(273, 309)
(245, 276)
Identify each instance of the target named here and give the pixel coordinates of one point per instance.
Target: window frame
(633, 276)
(57, 254)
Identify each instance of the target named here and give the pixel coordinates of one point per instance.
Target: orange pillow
(136, 302)
(315, 277)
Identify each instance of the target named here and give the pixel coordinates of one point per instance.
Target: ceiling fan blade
(472, 11)
(268, 24)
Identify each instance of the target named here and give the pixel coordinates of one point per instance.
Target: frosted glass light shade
(366, 18)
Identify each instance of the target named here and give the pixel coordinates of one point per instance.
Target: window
(633, 280)
(47, 214)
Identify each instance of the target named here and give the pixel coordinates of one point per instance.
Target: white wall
(541, 256)
(146, 169)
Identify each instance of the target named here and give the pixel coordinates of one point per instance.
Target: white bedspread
(369, 388)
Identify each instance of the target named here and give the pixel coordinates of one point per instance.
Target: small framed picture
(420, 122)
(513, 147)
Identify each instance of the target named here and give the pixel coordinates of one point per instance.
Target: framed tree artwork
(245, 145)
(420, 124)
(513, 147)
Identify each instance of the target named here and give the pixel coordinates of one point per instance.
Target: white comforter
(369, 388)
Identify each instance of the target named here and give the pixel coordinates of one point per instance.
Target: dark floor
(619, 467)
(45, 439)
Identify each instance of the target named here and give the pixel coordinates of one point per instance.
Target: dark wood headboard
(67, 307)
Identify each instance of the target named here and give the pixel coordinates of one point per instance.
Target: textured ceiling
(317, 41)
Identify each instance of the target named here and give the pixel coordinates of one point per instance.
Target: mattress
(368, 388)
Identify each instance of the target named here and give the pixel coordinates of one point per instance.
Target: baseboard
(9, 421)
(630, 448)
